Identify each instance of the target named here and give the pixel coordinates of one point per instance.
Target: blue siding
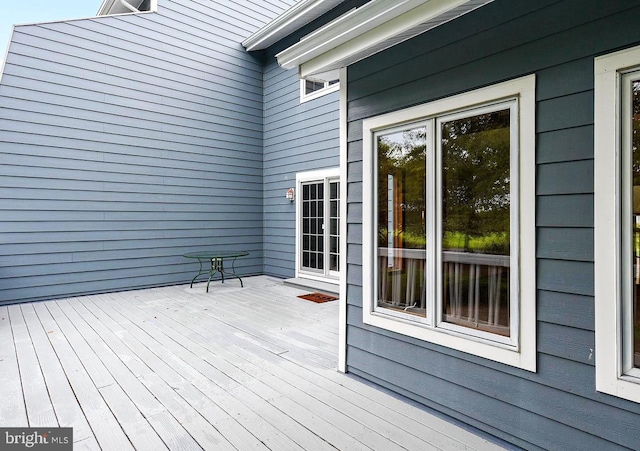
(127, 141)
(557, 407)
(298, 137)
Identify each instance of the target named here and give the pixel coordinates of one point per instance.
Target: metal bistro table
(216, 258)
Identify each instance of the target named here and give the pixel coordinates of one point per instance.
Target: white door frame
(324, 175)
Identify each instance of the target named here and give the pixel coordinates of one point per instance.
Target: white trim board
(342, 312)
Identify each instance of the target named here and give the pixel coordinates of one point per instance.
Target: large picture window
(453, 251)
(617, 223)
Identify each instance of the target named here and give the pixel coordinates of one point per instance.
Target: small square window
(312, 89)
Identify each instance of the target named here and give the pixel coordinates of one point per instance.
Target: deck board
(13, 412)
(36, 397)
(106, 429)
(250, 368)
(68, 410)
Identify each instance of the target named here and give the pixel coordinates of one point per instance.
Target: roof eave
(367, 30)
(299, 15)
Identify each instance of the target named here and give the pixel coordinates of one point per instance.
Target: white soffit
(299, 15)
(367, 30)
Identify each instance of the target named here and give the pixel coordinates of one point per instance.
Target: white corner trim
(360, 29)
(523, 354)
(342, 314)
(607, 225)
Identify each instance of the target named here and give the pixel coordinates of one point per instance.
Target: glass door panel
(313, 226)
(334, 226)
(320, 233)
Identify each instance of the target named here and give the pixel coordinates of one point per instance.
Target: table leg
(214, 269)
(197, 275)
(233, 270)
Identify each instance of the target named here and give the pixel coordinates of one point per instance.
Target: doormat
(318, 297)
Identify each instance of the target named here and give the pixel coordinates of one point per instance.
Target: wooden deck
(238, 368)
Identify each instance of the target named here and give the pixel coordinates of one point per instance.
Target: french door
(319, 228)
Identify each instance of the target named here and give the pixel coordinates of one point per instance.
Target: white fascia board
(360, 29)
(299, 15)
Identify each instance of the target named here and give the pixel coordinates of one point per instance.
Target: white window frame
(304, 97)
(520, 350)
(326, 176)
(612, 208)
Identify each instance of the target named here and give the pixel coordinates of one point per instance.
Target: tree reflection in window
(635, 169)
(401, 220)
(476, 214)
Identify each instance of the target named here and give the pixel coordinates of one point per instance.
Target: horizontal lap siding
(127, 141)
(298, 137)
(557, 407)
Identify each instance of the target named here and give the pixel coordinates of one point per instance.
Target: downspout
(129, 6)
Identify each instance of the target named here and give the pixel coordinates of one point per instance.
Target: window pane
(312, 86)
(312, 220)
(476, 221)
(635, 167)
(333, 187)
(333, 262)
(401, 220)
(333, 227)
(334, 223)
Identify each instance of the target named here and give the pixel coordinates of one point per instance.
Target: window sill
(523, 357)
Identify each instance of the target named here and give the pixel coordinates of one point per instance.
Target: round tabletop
(215, 254)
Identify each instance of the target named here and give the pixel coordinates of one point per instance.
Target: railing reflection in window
(476, 291)
(475, 287)
(402, 280)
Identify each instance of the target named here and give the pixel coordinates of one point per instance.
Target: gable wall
(127, 141)
(557, 407)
